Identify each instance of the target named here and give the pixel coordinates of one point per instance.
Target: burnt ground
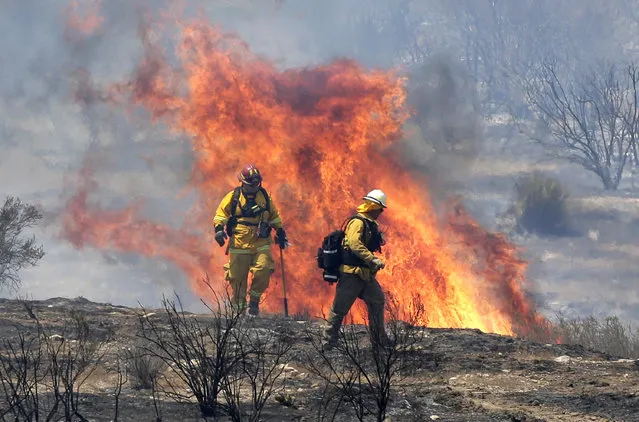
(452, 375)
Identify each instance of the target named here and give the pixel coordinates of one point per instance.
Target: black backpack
(330, 256)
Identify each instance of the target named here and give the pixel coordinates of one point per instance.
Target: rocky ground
(443, 374)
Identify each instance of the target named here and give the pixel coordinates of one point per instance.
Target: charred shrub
(144, 369)
(540, 205)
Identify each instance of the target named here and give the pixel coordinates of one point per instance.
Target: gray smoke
(443, 137)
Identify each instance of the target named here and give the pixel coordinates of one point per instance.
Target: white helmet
(376, 196)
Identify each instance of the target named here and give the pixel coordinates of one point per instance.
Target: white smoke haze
(46, 131)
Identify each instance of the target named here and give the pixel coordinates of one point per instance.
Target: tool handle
(284, 283)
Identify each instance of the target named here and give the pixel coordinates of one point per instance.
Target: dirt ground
(455, 375)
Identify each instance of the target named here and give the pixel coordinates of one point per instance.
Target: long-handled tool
(284, 282)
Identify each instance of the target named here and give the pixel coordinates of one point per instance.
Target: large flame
(321, 137)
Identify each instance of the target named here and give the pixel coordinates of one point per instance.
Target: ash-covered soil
(448, 374)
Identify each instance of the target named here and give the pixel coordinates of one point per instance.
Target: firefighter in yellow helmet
(249, 215)
(357, 278)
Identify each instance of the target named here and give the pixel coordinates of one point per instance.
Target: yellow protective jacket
(356, 243)
(244, 239)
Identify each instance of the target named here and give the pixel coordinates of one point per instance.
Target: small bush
(541, 205)
(144, 369)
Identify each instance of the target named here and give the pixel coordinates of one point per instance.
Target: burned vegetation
(74, 360)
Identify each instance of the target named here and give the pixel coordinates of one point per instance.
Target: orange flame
(321, 137)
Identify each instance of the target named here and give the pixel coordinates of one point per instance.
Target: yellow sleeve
(352, 240)
(223, 212)
(275, 220)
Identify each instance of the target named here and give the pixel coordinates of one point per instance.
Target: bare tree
(363, 372)
(202, 353)
(17, 252)
(72, 357)
(592, 119)
(219, 357)
(499, 41)
(41, 374)
(21, 371)
(122, 377)
(265, 355)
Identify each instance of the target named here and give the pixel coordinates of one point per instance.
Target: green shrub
(540, 205)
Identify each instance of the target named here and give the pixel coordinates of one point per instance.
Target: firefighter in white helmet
(357, 274)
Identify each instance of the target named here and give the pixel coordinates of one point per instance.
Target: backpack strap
(232, 221)
(266, 197)
(349, 258)
(235, 200)
(353, 217)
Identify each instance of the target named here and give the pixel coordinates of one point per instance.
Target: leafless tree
(72, 356)
(17, 252)
(21, 371)
(42, 373)
(122, 374)
(202, 353)
(360, 370)
(219, 357)
(592, 119)
(499, 41)
(265, 355)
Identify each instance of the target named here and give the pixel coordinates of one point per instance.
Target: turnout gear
(242, 213)
(259, 264)
(361, 238)
(249, 219)
(357, 273)
(349, 288)
(331, 255)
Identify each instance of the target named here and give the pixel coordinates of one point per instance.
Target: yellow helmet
(376, 196)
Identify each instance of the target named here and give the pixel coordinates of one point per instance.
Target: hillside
(445, 374)
(592, 272)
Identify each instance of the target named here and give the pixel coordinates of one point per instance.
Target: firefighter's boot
(254, 307)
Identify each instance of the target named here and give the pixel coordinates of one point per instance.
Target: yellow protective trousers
(257, 261)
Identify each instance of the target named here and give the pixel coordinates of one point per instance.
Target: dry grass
(609, 335)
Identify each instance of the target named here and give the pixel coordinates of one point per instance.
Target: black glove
(378, 264)
(280, 238)
(220, 235)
